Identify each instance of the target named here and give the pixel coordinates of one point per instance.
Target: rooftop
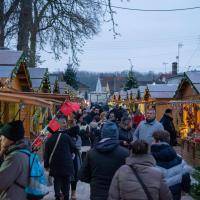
(6, 71)
(9, 57)
(36, 73)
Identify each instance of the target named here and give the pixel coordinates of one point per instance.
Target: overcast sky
(147, 38)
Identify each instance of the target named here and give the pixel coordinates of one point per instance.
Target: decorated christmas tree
(131, 81)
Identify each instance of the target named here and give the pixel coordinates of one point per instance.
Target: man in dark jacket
(61, 165)
(167, 122)
(102, 162)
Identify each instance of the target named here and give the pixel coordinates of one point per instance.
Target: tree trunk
(33, 46)
(25, 21)
(2, 36)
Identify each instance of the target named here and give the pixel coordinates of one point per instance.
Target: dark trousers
(73, 185)
(62, 184)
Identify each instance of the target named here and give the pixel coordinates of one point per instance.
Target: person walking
(58, 159)
(74, 132)
(14, 170)
(146, 128)
(102, 162)
(139, 178)
(176, 171)
(85, 137)
(167, 122)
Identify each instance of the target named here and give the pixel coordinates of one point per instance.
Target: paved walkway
(83, 193)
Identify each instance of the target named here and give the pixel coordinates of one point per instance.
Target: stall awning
(21, 98)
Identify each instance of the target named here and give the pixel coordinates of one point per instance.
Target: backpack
(37, 184)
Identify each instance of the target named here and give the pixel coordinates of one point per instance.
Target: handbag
(141, 182)
(55, 146)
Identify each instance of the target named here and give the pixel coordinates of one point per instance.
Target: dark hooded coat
(100, 165)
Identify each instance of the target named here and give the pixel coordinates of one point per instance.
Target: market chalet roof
(53, 78)
(6, 71)
(64, 87)
(194, 78)
(162, 91)
(37, 75)
(9, 57)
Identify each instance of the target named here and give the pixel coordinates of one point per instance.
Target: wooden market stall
(187, 109)
(24, 104)
(40, 80)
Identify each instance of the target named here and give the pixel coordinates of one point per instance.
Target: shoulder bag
(141, 182)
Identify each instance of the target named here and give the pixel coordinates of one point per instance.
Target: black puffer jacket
(100, 166)
(168, 125)
(125, 135)
(61, 164)
(174, 168)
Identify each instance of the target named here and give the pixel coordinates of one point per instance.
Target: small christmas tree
(131, 81)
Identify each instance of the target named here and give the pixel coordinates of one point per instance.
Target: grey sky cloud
(148, 38)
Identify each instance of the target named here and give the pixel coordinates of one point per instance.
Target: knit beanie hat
(13, 130)
(110, 130)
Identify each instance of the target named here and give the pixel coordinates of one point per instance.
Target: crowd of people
(122, 156)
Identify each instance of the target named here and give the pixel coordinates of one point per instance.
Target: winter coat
(168, 125)
(125, 185)
(100, 165)
(85, 137)
(145, 130)
(14, 170)
(74, 134)
(174, 168)
(95, 134)
(62, 163)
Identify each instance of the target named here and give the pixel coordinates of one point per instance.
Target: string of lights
(150, 10)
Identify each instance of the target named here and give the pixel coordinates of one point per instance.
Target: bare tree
(62, 24)
(24, 24)
(7, 11)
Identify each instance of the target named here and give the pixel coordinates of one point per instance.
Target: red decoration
(37, 142)
(49, 135)
(197, 140)
(54, 125)
(66, 109)
(75, 106)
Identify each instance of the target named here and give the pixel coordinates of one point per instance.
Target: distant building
(116, 83)
(83, 89)
(99, 95)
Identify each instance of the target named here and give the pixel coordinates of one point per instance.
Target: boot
(73, 195)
